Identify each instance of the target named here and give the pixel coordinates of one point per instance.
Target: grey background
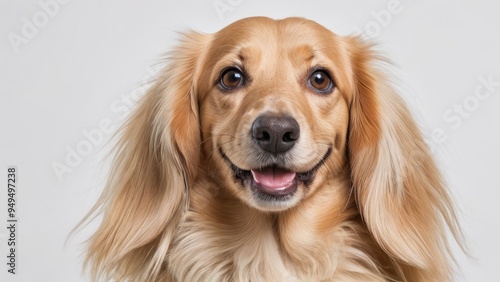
(84, 62)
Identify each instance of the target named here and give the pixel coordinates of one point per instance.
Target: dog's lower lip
(289, 189)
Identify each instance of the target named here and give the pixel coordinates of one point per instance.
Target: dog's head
(273, 111)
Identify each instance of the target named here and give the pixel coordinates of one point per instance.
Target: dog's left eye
(321, 81)
(231, 78)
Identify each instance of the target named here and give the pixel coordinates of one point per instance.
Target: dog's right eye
(321, 82)
(231, 78)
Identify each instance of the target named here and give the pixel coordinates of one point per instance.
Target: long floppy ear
(156, 161)
(400, 193)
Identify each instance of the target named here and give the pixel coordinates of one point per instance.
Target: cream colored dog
(273, 150)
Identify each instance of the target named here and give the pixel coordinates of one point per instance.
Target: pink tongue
(273, 177)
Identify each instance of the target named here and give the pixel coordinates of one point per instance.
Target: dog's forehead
(260, 32)
(260, 40)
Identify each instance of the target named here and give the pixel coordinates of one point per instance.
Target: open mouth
(274, 182)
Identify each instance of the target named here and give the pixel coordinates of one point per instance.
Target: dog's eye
(231, 78)
(321, 81)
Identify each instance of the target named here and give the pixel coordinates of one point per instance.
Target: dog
(273, 150)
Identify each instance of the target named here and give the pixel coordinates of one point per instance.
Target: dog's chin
(274, 187)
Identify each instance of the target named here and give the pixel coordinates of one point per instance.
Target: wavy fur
(377, 209)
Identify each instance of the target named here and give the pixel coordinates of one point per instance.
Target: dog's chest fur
(222, 239)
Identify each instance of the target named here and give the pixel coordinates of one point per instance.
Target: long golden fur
(367, 202)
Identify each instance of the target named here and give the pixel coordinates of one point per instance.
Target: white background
(86, 58)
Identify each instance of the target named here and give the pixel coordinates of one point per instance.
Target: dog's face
(274, 110)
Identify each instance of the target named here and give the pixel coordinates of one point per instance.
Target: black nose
(275, 134)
